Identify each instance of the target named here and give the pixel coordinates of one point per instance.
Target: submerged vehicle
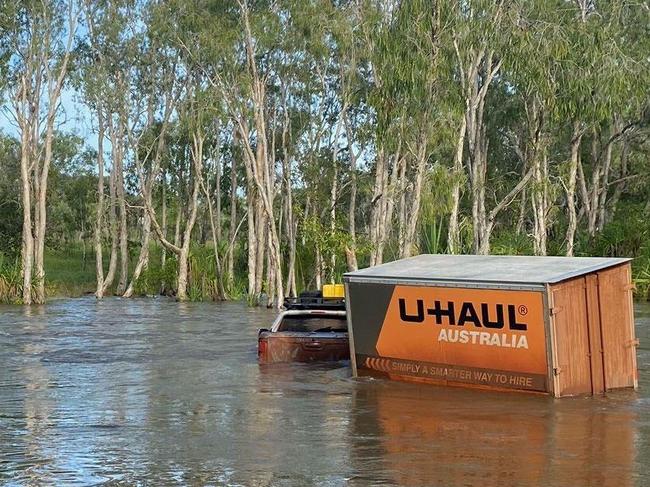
(311, 328)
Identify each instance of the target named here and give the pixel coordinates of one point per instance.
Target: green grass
(68, 274)
(71, 273)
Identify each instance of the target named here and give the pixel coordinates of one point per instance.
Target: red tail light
(262, 347)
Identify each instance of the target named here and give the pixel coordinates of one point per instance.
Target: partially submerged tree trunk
(163, 205)
(252, 238)
(230, 255)
(113, 233)
(99, 212)
(117, 138)
(258, 163)
(147, 179)
(182, 251)
(215, 233)
(41, 72)
(27, 250)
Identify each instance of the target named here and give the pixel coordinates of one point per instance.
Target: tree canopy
(258, 148)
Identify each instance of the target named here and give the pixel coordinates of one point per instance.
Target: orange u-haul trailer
(557, 325)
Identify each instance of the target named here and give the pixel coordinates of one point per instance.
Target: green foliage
(203, 275)
(202, 278)
(509, 242)
(70, 270)
(435, 208)
(390, 72)
(628, 235)
(327, 241)
(156, 278)
(10, 280)
(10, 211)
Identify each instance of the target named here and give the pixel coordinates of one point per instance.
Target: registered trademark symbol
(523, 310)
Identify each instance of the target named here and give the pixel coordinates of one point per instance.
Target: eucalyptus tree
(304, 105)
(320, 77)
(479, 33)
(532, 75)
(109, 56)
(601, 78)
(407, 99)
(40, 42)
(413, 78)
(213, 164)
(204, 38)
(258, 156)
(101, 58)
(157, 85)
(218, 39)
(93, 72)
(351, 53)
(619, 110)
(388, 143)
(191, 128)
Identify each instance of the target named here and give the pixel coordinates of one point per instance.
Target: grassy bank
(70, 272)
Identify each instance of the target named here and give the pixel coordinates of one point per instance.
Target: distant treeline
(246, 147)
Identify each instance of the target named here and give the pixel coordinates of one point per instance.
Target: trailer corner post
(353, 356)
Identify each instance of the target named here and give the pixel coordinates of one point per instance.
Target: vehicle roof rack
(314, 300)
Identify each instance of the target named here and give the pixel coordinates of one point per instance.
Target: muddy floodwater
(152, 392)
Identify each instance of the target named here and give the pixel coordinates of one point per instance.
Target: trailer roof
(496, 269)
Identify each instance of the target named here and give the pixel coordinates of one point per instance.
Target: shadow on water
(150, 391)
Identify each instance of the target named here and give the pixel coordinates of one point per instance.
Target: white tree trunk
(113, 233)
(415, 197)
(121, 204)
(99, 212)
(351, 249)
(571, 188)
(230, 258)
(27, 250)
(453, 235)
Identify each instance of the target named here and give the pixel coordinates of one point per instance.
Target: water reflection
(152, 392)
(458, 437)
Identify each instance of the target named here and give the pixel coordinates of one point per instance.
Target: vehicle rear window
(306, 323)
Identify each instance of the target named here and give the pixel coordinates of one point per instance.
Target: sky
(74, 118)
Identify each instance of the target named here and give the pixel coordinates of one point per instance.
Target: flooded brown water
(152, 392)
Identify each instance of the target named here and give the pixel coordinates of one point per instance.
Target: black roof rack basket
(314, 300)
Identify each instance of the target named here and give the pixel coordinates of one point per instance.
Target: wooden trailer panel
(595, 336)
(571, 338)
(593, 327)
(617, 327)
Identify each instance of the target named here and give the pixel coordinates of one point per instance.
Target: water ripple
(152, 392)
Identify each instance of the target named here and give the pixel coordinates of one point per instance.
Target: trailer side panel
(485, 337)
(619, 344)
